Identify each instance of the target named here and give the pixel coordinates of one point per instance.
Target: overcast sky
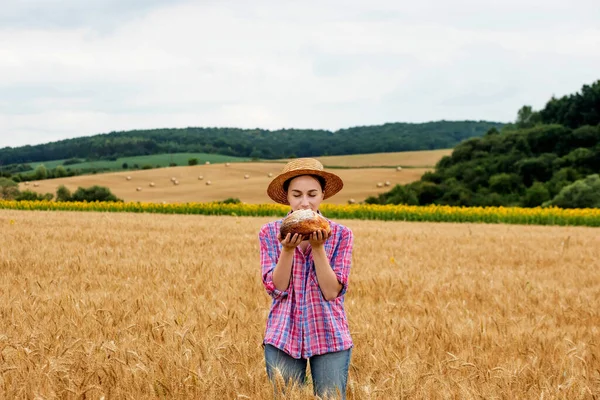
(71, 68)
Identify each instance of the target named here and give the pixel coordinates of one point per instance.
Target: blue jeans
(329, 371)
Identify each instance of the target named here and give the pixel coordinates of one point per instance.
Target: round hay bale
(351, 201)
(387, 183)
(379, 184)
(227, 164)
(26, 183)
(139, 189)
(208, 183)
(176, 183)
(200, 177)
(246, 176)
(36, 184)
(398, 168)
(173, 179)
(151, 184)
(128, 178)
(207, 163)
(270, 175)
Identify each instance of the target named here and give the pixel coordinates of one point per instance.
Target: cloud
(70, 70)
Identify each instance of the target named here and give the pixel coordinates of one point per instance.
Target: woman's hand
(318, 238)
(290, 242)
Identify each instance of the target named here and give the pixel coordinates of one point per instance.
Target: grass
(406, 159)
(162, 160)
(170, 306)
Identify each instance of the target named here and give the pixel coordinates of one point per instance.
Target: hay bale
(351, 201)
(36, 184)
(270, 175)
(207, 163)
(200, 177)
(176, 183)
(173, 179)
(246, 176)
(387, 183)
(128, 178)
(379, 184)
(227, 164)
(151, 184)
(26, 183)
(139, 189)
(398, 168)
(208, 183)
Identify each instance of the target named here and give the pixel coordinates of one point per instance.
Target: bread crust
(304, 222)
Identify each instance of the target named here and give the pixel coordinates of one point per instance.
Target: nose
(305, 204)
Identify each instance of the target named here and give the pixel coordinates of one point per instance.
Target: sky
(72, 68)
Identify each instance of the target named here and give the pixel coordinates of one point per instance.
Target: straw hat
(303, 166)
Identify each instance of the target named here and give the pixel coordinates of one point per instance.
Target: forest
(253, 143)
(548, 157)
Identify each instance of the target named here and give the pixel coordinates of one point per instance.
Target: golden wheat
(110, 305)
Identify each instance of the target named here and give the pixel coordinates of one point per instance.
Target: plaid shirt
(301, 322)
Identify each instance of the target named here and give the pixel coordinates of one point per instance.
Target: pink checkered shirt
(301, 322)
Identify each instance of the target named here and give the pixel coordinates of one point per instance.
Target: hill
(551, 156)
(254, 143)
(226, 182)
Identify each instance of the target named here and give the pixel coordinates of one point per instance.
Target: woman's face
(305, 193)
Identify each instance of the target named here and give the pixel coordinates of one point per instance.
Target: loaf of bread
(304, 222)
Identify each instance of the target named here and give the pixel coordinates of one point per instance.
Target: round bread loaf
(304, 222)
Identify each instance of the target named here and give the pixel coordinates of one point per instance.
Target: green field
(161, 160)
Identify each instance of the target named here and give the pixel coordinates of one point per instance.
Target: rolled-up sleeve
(269, 254)
(341, 260)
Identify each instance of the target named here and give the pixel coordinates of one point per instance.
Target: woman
(307, 281)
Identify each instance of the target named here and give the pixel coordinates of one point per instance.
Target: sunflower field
(431, 213)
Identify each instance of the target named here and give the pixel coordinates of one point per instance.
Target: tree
(584, 193)
(536, 195)
(504, 183)
(94, 193)
(526, 117)
(63, 193)
(193, 161)
(9, 189)
(29, 195)
(41, 172)
(60, 172)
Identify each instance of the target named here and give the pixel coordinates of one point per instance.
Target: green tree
(9, 189)
(94, 193)
(63, 193)
(193, 161)
(41, 172)
(60, 172)
(504, 183)
(526, 117)
(584, 193)
(536, 195)
(29, 195)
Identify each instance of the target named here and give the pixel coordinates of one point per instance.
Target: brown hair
(321, 180)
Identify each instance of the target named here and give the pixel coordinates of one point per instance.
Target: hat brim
(333, 184)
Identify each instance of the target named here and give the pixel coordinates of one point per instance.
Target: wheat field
(226, 181)
(136, 306)
(422, 159)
